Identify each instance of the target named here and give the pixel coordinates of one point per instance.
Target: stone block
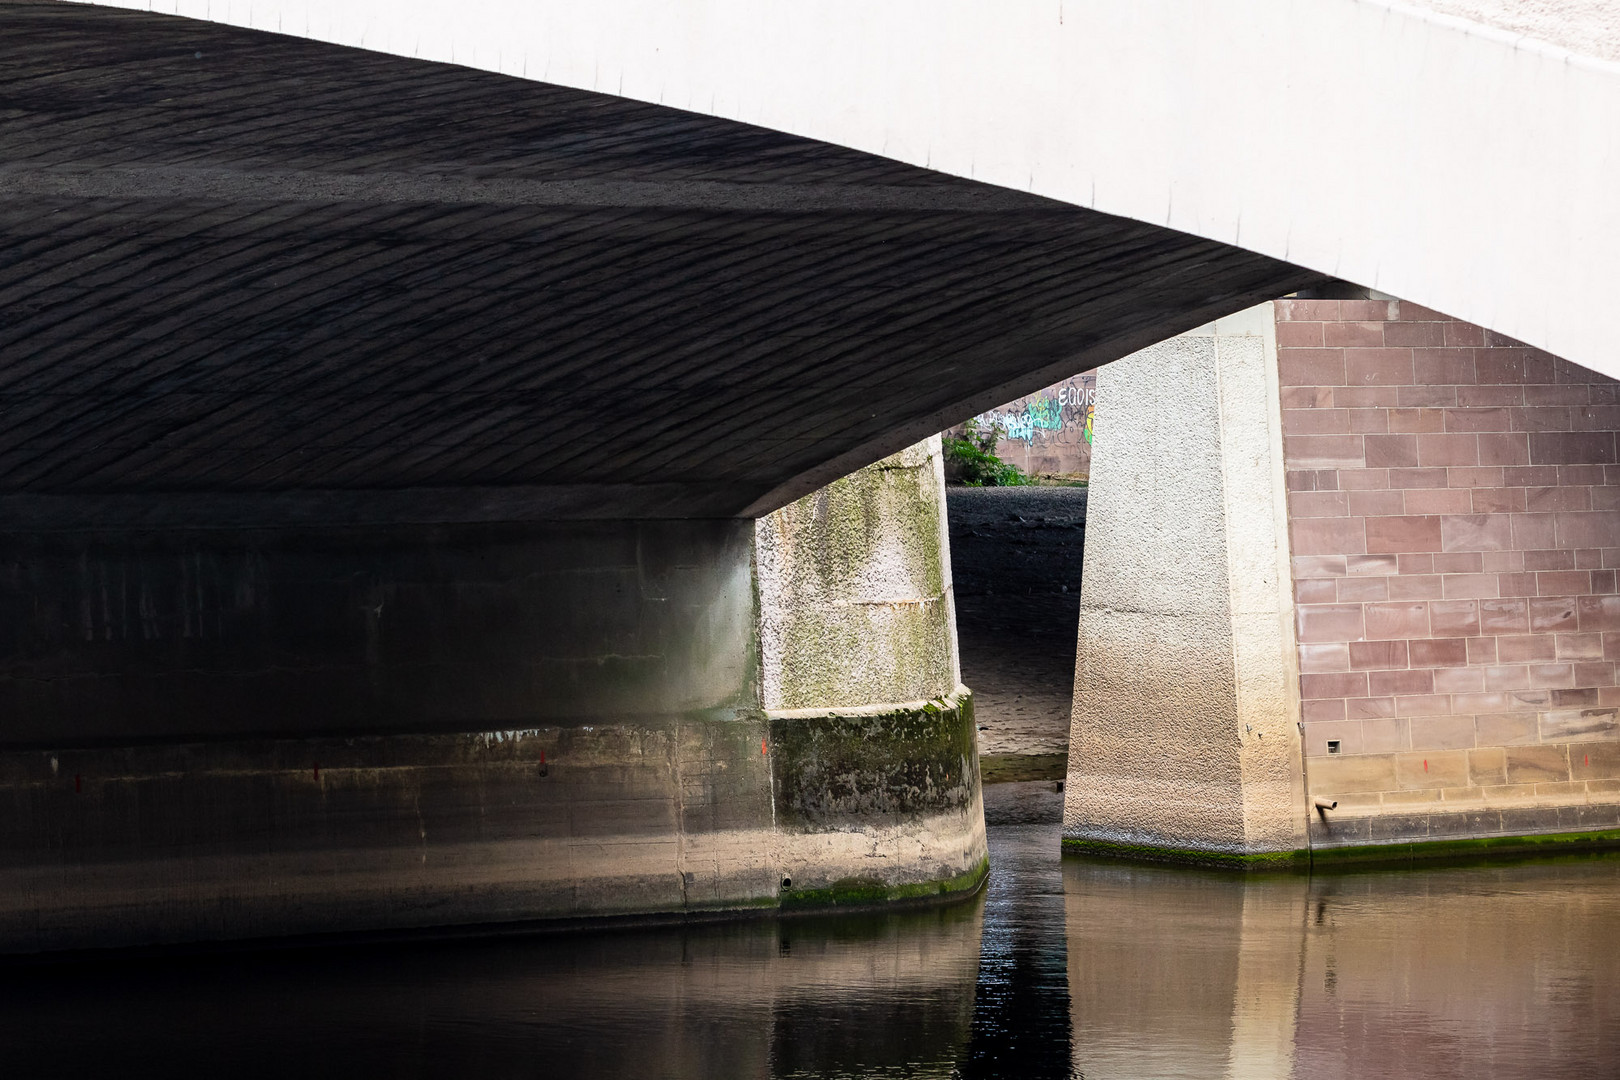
(1449, 825)
(1337, 828)
(1415, 797)
(1347, 733)
(1537, 764)
(1585, 725)
(1487, 766)
(1596, 762)
(1597, 816)
(1530, 819)
(1502, 795)
(1365, 772)
(1399, 827)
(1505, 729)
(1383, 735)
(1358, 802)
(1442, 733)
(1441, 768)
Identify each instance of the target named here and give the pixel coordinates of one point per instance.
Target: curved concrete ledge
(725, 814)
(877, 805)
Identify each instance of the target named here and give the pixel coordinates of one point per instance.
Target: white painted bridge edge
(1465, 167)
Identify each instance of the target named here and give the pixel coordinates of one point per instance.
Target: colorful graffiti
(1051, 431)
(1023, 421)
(1040, 414)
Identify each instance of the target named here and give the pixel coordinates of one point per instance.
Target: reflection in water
(1021, 1008)
(869, 996)
(1108, 970)
(1503, 971)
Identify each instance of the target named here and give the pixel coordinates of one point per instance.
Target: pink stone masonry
(1454, 508)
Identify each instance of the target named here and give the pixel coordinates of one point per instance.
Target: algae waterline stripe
(1482, 847)
(1012, 768)
(858, 893)
(1361, 855)
(1266, 860)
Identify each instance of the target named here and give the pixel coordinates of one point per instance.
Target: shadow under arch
(257, 278)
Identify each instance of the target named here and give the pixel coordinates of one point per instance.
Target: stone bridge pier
(1349, 594)
(218, 733)
(339, 591)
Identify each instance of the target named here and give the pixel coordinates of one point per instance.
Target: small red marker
(542, 757)
(762, 749)
(1425, 764)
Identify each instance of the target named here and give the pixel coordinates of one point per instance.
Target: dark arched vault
(245, 277)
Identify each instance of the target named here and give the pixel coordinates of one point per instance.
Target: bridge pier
(1422, 664)
(241, 733)
(1184, 741)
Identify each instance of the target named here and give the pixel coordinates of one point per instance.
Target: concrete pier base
(1184, 741)
(226, 734)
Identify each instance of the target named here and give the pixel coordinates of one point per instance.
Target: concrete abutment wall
(226, 734)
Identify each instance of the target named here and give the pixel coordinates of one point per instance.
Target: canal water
(1061, 968)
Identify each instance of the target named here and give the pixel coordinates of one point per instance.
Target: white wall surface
(1588, 27)
(1447, 162)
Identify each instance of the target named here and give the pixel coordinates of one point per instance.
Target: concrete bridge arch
(1455, 152)
(236, 264)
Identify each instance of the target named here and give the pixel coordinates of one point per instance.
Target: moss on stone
(850, 582)
(1473, 849)
(1371, 856)
(1264, 860)
(1009, 768)
(873, 892)
(834, 769)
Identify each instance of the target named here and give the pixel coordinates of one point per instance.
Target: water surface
(1063, 968)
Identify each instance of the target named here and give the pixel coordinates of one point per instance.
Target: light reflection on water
(1102, 969)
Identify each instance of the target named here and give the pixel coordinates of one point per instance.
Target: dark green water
(1063, 968)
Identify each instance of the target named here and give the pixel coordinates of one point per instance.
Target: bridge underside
(312, 360)
(253, 280)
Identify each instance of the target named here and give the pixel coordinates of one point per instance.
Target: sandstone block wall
(1454, 506)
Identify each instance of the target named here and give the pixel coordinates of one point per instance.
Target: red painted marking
(1425, 764)
(762, 748)
(78, 783)
(542, 757)
(1586, 759)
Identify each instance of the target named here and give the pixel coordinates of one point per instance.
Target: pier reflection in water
(1511, 970)
(1065, 966)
